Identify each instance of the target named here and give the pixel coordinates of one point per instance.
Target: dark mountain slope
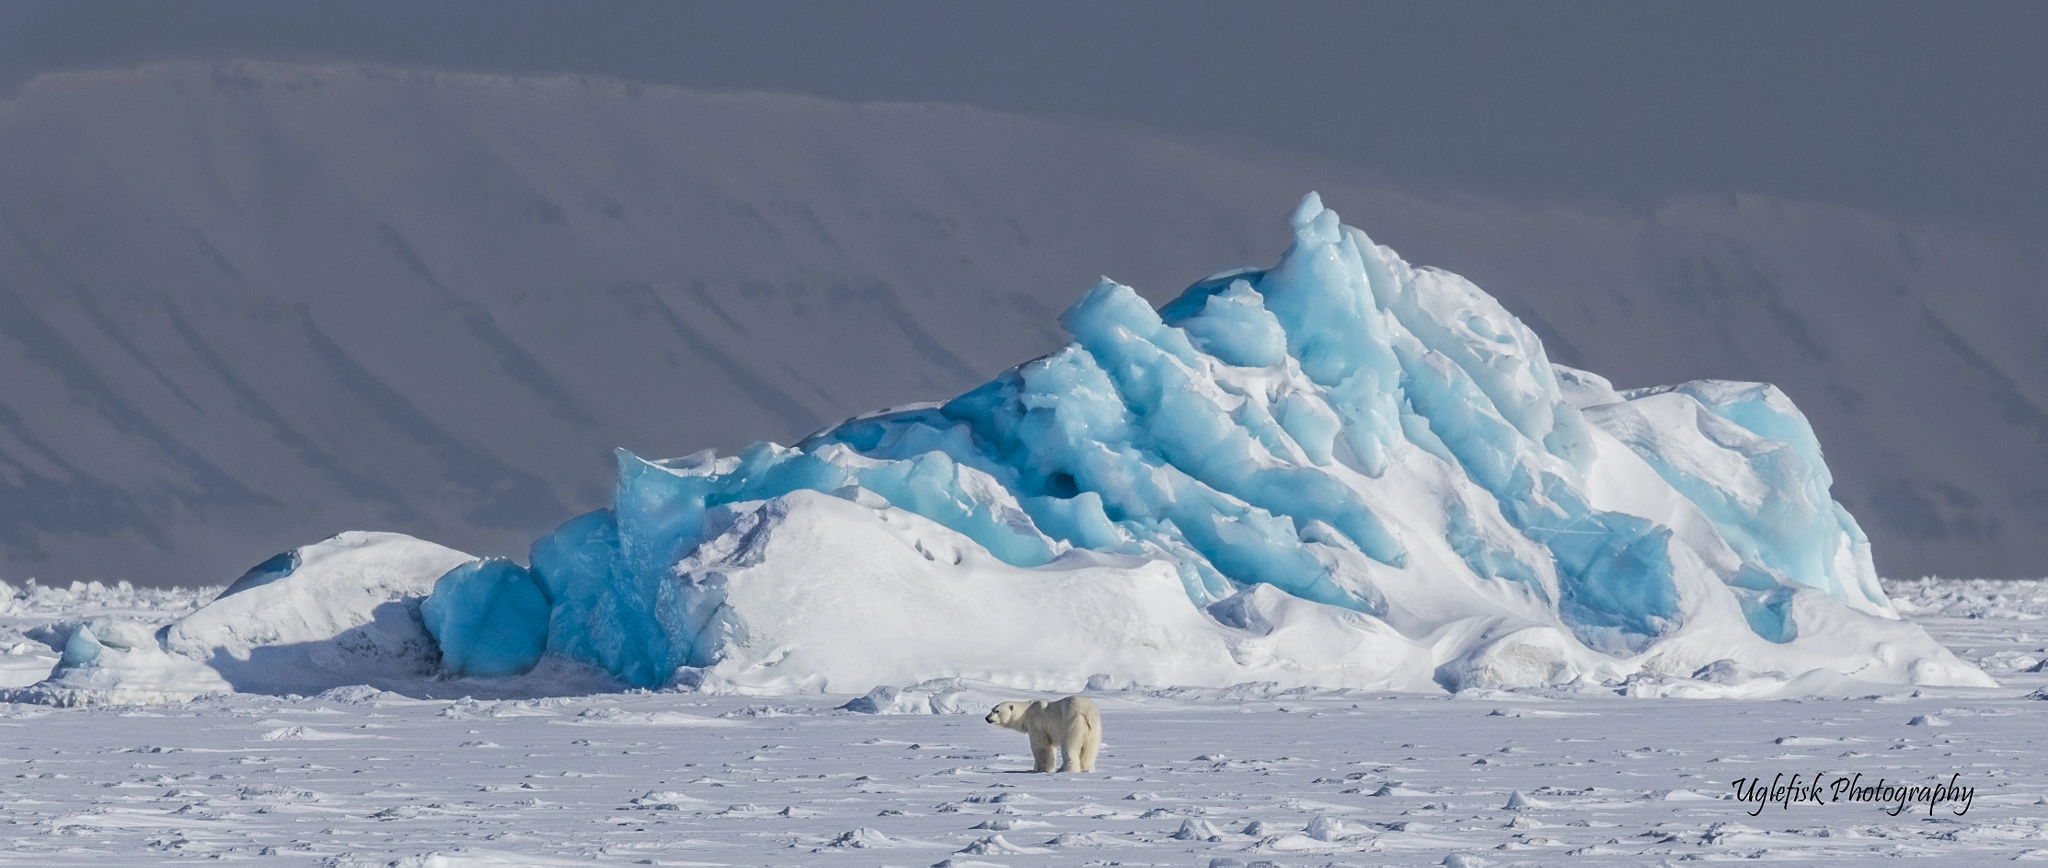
(246, 306)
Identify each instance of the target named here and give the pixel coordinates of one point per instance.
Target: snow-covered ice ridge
(1344, 471)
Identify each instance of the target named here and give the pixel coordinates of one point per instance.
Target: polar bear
(1072, 724)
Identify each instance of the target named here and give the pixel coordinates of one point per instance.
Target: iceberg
(1343, 471)
(1352, 470)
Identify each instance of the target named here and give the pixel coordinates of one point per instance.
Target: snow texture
(357, 776)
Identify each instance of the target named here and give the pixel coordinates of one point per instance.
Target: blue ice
(489, 617)
(1230, 431)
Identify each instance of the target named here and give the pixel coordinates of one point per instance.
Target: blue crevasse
(1265, 428)
(275, 567)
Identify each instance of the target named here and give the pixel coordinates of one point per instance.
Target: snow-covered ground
(29, 643)
(355, 776)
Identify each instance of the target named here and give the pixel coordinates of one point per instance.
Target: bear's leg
(1074, 743)
(1090, 743)
(1041, 752)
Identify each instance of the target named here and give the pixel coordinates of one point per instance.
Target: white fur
(1071, 724)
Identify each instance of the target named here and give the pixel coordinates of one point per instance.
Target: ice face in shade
(489, 617)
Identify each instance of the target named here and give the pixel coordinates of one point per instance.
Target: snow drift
(1344, 471)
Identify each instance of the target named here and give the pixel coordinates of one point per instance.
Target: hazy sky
(1928, 108)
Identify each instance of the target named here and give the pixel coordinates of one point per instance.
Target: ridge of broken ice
(1343, 471)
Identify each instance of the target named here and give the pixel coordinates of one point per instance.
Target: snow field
(362, 777)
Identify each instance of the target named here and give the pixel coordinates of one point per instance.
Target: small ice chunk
(861, 839)
(490, 618)
(1327, 829)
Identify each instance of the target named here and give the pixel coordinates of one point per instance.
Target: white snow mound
(342, 611)
(816, 593)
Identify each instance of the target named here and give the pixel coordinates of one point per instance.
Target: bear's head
(1009, 715)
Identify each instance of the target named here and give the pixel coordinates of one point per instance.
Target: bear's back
(1070, 709)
